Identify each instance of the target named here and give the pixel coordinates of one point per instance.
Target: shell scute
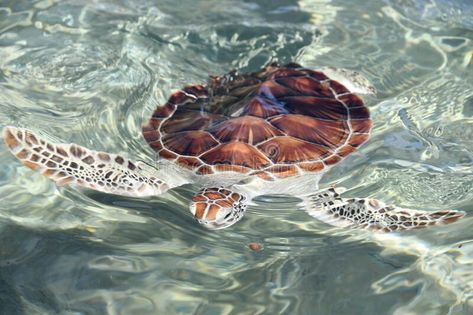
(189, 142)
(167, 154)
(156, 145)
(358, 139)
(333, 159)
(320, 76)
(283, 171)
(345, 150)
(181, 98)
(361, 125)
(247, 129)
(263, 107)
(151, 136)
(306, 86)
(273, 90)
(231, 168)
(187, 120)
(189, 162)
(359, 113)
(351, 100)
(241, 91)
(312, 166)
(204, 170)
(286, 72)
(288, 149)
(338, 87)
(277, 122)
(163, 111)
(322, 108)
(236, 153)
(329, 133)
(196, 90)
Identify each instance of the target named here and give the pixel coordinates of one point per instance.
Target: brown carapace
(278, 122)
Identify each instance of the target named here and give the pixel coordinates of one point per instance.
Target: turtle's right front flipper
(73, 164)
(328, 206)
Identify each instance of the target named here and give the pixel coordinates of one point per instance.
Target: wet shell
(280, 121)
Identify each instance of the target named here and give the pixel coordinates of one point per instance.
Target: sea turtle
(273, 131)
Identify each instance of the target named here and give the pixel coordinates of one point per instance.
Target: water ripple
(91, 72)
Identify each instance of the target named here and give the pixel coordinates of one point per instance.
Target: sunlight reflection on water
(92, 72)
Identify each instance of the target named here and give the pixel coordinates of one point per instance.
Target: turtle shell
(280, 121)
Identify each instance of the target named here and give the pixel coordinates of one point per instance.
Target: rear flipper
(73, 164)
(328, 206)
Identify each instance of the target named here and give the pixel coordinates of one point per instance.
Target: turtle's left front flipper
(73, 164)
(328, 206)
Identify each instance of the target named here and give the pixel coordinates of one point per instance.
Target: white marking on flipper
(328, 206)
(73, 164)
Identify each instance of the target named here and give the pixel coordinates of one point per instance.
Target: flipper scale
(74, 164)
(328, 206)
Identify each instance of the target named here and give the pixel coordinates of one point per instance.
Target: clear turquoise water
(91, 72)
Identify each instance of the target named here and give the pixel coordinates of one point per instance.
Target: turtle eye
(224, 214)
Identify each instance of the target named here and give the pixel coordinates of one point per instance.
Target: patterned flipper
(73, 164)
(328, 206)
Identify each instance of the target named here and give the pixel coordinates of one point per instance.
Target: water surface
(91, 72)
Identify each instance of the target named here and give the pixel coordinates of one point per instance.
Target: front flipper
(218, 208)
(73, 164)
(328, 206)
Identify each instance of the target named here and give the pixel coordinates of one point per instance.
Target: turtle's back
(277, 122)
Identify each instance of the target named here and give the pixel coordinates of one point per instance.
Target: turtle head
(218, 208)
